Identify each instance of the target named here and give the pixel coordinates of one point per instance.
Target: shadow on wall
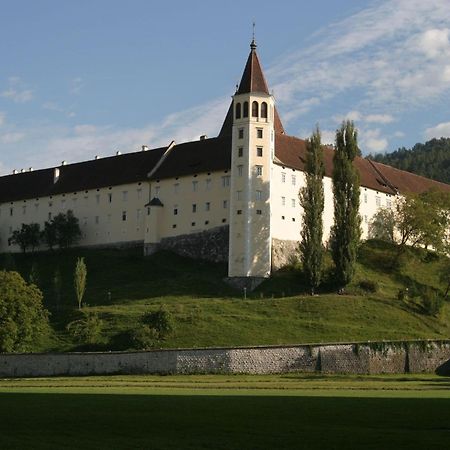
(444, 369)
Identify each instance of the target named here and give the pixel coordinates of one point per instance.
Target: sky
(86, 78)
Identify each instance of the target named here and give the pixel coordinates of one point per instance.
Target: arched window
(264, 110)
(238, 111)
(245, 109)
(255, 109)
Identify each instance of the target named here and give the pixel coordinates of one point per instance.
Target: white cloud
(328, 136)
(18, 96)
(379, 118)
(372, 141)
(76, 85)
(399, 134)
(11, 138)
(351, 115)
(375, 56)
(2, 118)
(52, 106)
(440, 130)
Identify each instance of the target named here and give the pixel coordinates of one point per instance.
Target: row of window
(293, 178)
(259, 152)
(259, 133)
(241, 110)
(193, 224)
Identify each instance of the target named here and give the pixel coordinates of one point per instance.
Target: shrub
(145, 338)
(368, 285)
(161, 321)
(431, 302)
(87, 330)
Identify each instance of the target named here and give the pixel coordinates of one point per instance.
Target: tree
(382, 225)
(422, 221)
(23, 319)
(28, 236)
(79, 279)
(87, 330)
(346, 231)
(63, 229)
(312, 202)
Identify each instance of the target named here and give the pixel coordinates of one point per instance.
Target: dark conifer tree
(312, 202)
(346, 231)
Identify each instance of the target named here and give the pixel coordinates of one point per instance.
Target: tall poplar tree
(312, 202)
(346, 231)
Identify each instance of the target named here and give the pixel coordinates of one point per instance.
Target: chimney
(96, 157)
(14, 171)
(118, 153)
(22, 170)
(203, 137)
(144, 148)
(30, 169)
(63, 163)
(56, 175)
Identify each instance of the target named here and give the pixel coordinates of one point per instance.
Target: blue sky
(88, 78)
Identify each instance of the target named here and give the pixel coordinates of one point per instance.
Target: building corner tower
(251, 166)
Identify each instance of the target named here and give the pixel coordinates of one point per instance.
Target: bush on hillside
(155, 327)
(432, 303)
(23, 319)
(368, 285)
(87, 330)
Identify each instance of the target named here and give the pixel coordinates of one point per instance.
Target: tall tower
(253, 138)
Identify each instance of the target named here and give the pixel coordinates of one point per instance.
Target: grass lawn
(122, 285)
(226, 412)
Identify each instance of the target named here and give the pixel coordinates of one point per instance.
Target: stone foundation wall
(361, 358)
(209, 245)
(283, 253)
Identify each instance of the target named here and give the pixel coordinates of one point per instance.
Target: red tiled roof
(291, 152)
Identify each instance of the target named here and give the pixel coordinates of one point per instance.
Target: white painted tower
(251, 167)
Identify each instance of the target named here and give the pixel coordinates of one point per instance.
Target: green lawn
(226, 412)
(122, 285)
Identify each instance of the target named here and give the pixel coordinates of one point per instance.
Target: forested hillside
(431, 160)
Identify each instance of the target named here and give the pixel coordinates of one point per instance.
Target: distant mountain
(431, 160)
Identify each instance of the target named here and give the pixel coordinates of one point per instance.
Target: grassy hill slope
(123, 285)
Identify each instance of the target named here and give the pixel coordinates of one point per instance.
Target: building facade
(230, 198)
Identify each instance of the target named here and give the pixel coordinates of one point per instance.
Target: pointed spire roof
(253, 78)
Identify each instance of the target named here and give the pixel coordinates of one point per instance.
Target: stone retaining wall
(361, 358)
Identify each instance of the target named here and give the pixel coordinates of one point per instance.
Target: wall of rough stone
(209, 245)
(283, 253)
(361, 358)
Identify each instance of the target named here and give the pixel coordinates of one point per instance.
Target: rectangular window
(24, 210)
(11, 211)
(259, 133)
(241, 133)
(293, 202)
(194, 186)
(176, 188)
(293, 180)
(194, 207)
(225, 204)
(63, 204)
(208, 184)
(259, 151)
(175, 211)
(139, 194)
(157, 190)
(225, 181)
(240, 170)
(240, 152)
(388, 202)
(124, 196)
(258, 195)
(138, 215)
(207, 206)
(258, 212)
(365, 197)
(97, 199)
(239, 195)
(283, 201)
(239, 211)
(124, 216)
(283, 177)
(259, 170)
(49, 216)
(110, 198)
(378, 200)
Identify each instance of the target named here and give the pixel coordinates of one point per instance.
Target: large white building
(233, 197)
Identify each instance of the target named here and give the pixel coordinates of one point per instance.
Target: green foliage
(87, 330)
(345, 232)
(145, 338)
(79, 280)
(432, 302)
(27, 237)
(23, 319)
(368, 285)
(312, 202)
(161, 321)
(33, 277)
(382, 225)
(63, 230)
(431, 160)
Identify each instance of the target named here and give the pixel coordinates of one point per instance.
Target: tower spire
(253, 43)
